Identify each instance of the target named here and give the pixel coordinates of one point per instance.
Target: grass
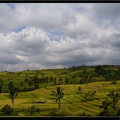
(71, 102)
(25, 99)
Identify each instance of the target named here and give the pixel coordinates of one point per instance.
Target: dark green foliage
(79, 90)
(114, 97)
(36, 82)
(58, 94)
(83, 114)
(66, 81)
(118, 74)
(30, 84)
(105, 105)
(88, 96)
(99, 70)
(114, 82)
(86, 77)
(21, 83)
(57, 113)
(7, 110)
(31, 110)
(60, 81)
(111, 103)
(54, 81)
(118, 112)
(110, 75)
(103, 113)
(1, 85)
(13, 92)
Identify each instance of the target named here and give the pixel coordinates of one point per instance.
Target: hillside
(73, 102)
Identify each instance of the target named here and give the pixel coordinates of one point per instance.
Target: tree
(54, 81)
(79, 90)
(99, 70)
(30, 84)
(22, 84)
(58, 95)
(1, 85)
(26, 75)
(88, 96)
(84, 77)
(13, 92)
(105, 105)
(110, 102)
(60, 80)
(66, 81)
(51, 80)
(36, 81)
(114, 99)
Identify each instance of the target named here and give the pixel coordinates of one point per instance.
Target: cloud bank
(54, 35)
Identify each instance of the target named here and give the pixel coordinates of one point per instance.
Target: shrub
(88, 96)
(83, 114)
(104, 113)
(114, 82)
(79, 90)
(7, 110)
(118, 112)
(53, 113)
(57, 113)
(32, 110)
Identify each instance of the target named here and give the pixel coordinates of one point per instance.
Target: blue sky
(18, 29)
(55, 35)
(12, 5)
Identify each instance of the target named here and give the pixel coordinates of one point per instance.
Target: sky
(38, 36)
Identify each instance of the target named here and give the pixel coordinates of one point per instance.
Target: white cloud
(58, 35)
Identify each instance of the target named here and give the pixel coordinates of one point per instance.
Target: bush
(79, 90)
(118, 112)
(88, 96)
(53, 113)
(32, 110)
(7, 110)
(103, 113)
(114, 82)
(57, 113)
(83, 114)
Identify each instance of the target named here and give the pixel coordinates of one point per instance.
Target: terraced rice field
(71, 102)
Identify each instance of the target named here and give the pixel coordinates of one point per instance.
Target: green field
(71, 103)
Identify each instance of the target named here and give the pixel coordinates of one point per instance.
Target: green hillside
(74, 101)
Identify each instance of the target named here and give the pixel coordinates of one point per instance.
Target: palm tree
(105, 105)
(13, 92)
(114, 99)
(58, 95)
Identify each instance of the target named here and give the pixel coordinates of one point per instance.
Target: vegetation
(1, 86)
(13, 92)
(7, 110)
(114, 97)
(88, 91)
(32, 110)
(88, 96)
(58, 95)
